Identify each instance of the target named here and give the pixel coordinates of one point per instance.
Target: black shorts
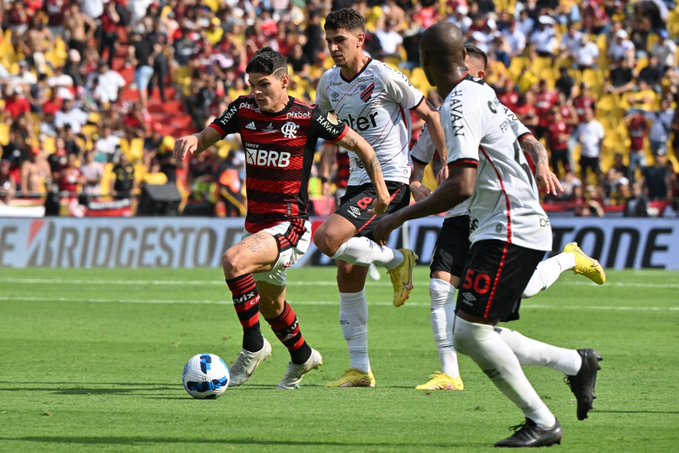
(356, 202)
(495, 277)
(452, 246)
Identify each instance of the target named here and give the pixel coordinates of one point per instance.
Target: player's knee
(232, 264)
(326, 243)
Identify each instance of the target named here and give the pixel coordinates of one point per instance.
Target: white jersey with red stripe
(424, 150)
(374, 103)
(505, 205)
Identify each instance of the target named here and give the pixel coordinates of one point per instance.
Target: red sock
(246, 302)
(286, 328)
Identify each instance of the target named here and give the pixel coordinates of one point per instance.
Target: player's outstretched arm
(357, 144)
(195, 143)
(546, 179)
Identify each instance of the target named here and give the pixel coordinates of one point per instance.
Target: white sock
(442, 314)
(363, 252)
(496, 359)
(354, 321)
(547, 272)
(535, 353)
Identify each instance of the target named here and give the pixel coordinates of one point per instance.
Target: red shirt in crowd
(510, 99)
(17, 106)
(638, 130)
(581, 104)
(544, 102)
(557, 133)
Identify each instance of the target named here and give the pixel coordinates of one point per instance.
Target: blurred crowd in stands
(95, 91)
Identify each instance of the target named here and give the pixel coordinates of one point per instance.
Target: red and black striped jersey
(343, 168)
(279, 149)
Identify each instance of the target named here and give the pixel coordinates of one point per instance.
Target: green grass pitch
(91, 360)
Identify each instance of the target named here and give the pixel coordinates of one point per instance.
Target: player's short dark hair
(346, 18)
(267, 61)
(474, 51)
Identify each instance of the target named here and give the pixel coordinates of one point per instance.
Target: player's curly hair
(267, 61)
(346, 18)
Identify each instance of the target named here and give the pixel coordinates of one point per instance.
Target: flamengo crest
(289, 129)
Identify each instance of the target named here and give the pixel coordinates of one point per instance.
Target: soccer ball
(206, 376)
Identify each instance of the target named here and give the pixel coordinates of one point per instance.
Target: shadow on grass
(74, 384)
(87, 388)
(138, 440)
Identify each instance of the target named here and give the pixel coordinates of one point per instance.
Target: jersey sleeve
(400, 89)
(227, 123)
(520, 130)
(423, 151)
(463, 126)
(327, 126)
(322, 99)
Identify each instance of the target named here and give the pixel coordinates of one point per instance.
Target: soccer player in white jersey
(375, 100)
(452, 246)
(510, 234)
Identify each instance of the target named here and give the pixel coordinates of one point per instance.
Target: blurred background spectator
(113, 82)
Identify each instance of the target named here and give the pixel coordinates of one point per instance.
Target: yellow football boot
(402, 277)
(441, 381)
(586, 265)
(354, 378)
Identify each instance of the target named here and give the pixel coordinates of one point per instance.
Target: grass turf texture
(91, 360)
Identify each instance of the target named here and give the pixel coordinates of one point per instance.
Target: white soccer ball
(206, 376)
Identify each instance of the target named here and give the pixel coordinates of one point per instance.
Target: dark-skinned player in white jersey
(510, 234)
(452, 247)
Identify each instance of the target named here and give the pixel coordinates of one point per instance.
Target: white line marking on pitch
(526, 305)
(41, 281)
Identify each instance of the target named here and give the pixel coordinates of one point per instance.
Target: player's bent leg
(255, 253)
(334, 232)
(531, 352)
(547, 272)
(498, 362)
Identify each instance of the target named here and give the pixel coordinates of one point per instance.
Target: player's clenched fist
(380, 204)
(186, 144)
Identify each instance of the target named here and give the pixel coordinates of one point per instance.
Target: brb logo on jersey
(266, 158)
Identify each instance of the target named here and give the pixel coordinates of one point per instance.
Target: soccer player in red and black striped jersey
(279, 134)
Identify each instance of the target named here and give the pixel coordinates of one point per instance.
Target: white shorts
(293, 239)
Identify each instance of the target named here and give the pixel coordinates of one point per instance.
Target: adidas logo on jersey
(251, 126)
